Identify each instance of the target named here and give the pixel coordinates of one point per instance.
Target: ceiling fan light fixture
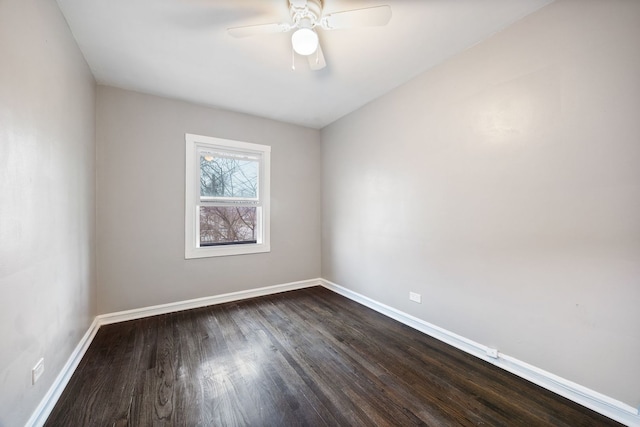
(305, 41)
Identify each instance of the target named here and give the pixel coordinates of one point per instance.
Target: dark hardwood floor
(308, 357)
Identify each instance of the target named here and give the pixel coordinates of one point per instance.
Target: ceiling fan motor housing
(305, 13)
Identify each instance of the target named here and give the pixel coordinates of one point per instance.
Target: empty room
(319, 212)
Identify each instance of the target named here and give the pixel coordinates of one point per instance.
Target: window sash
(220, 152)
(227, 153)
(229, 201)
(259, 235)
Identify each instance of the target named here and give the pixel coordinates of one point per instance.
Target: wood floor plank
(358, 377)
(301, 358)
(366, 347)
(282, 380)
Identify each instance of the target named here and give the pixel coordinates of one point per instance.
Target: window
(226, 197)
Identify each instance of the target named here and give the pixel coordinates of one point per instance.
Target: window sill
(226, 250)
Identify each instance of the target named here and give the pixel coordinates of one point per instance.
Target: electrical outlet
(415, 297)
(37, 371)
(492, 352)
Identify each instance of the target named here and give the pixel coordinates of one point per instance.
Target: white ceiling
(180, 49)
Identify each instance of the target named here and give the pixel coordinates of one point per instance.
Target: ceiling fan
(306, 17)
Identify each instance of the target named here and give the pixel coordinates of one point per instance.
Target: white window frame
(196, 143)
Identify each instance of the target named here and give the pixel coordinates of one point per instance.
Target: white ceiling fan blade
(316, 60)
(255, 30)
(367, 17)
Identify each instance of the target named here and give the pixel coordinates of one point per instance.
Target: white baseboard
(49, 400)
(591, 399)
(605, 405)
(138, 313)
(40, 415)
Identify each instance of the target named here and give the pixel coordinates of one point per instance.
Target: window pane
(221, 225)
(228, 176)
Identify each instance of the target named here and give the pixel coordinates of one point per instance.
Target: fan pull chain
(293, 59)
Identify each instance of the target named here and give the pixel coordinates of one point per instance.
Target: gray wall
(504, 186)
(141, 162)
(47, 204)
